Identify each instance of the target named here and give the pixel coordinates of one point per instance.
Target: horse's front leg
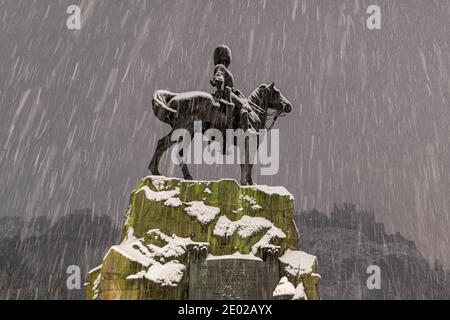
(246, 167)
(162, 146)
(249, 178)
(243, 180)
(250, 167)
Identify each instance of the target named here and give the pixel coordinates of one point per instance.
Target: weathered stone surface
(179, 231)
(228, 277)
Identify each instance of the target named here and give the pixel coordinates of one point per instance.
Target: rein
(257, 108)
(277, 115)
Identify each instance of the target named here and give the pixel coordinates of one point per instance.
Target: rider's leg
(244, 120)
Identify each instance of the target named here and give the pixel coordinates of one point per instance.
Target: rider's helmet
(222, 55)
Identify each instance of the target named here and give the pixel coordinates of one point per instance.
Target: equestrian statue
(226, 108)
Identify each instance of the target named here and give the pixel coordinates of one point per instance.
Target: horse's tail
(160, 101)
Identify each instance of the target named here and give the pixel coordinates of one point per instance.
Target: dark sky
(370, 123)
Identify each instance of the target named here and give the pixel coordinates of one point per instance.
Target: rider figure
(225, 93)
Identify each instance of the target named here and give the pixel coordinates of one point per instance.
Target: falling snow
(370, 123)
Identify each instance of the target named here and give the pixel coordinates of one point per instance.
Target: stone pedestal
(204, 240)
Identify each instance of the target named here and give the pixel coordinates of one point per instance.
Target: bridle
(275, 115)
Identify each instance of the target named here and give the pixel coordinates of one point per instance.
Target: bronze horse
(181, 110)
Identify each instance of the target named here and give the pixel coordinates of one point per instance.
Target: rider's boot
(245, 123)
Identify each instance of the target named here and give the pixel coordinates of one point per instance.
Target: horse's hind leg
(162, 146)
(246, 173)
(243, 180)
(184, 168)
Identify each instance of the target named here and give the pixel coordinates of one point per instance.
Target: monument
(185, 239)
(226, 109)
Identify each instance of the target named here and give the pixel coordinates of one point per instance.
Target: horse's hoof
(188, 178)
(250, 183)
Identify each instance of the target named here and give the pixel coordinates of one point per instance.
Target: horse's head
(276, 100)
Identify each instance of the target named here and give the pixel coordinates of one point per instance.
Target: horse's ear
(263, 86)
(272, 85)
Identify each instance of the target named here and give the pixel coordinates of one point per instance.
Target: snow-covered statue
(226, 108)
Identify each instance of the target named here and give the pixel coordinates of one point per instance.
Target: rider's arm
(218, 79)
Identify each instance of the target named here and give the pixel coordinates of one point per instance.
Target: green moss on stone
(144, 215)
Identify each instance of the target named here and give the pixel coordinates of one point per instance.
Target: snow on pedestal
(172, 222)
(284, 290)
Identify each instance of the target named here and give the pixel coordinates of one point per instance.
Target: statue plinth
(205, 240)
